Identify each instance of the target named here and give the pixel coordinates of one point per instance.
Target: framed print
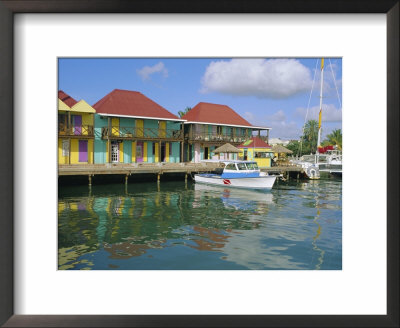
(44, 285)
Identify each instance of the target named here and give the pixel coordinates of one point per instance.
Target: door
(77, 123)
(114, 152)
(196, 152)
(163, 152)
(205, 152)
(83, 151)
(139, 152)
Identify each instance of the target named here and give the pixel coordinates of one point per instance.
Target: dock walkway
(135, 168)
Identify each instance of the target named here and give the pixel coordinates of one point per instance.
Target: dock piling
(126, 179)
(90, 180)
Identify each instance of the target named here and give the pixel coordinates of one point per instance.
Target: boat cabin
(240, 169)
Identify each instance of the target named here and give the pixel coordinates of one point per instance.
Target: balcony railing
(82, 130)
(210, 137)
(145, 133)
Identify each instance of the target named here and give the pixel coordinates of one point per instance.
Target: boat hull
(261, 182)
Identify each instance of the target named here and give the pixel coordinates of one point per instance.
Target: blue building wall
(150, 156)
(175, 155)
(100, 146)
(127, 151)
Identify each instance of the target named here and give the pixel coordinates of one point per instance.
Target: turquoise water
(297, 225)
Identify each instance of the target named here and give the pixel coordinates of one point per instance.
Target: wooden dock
(158, 169)
(136, 168)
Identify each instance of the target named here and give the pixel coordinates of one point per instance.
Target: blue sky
(271, 92)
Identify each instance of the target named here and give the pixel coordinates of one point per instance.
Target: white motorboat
(238, 174)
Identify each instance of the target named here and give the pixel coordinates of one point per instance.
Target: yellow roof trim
(62, 106)
(83, 107)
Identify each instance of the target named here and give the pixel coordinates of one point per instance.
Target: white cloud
(146, 71)
(279, 116)
(273, 78)
(285, 130)
(329, 113)
(249, 116)
(280, 128)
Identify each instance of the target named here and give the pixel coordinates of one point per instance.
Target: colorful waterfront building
(75, 130)
(256, 149)
(209, 126)
(131, 128)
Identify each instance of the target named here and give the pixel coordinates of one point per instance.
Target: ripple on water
(295, 226)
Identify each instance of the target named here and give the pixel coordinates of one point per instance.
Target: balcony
(141, 133)
(77, 131)
(216, 138)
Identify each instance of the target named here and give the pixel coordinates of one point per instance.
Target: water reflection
(168, 226)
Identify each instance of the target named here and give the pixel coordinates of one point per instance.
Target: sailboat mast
(320, 104)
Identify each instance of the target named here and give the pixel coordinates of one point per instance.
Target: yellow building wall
(75, 152)
(167, 152)
(139, 131)
(115, 126)
(261, 162)
(162, 127)
(145, 144)
(121, 152)
(134, 152)
(83, 106)
(90, 151)
(107, 147)
(156, 157)
(87, 119)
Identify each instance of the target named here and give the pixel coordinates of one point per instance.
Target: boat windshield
(252, 166)
(231, 166)
(242, 166)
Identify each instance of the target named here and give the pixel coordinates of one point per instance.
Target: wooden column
(69, 122)
(69, 150)
(108, 139)
(182, 142)
(181, 154)
(159, 152)
(268, 136)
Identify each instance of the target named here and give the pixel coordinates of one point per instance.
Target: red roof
(67, 99)
(256, 142)
(213, 113)
(131, 103)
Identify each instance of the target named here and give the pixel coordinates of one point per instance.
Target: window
(219, 129)
(154, 148)
(242, 166)
(252, 166)
(262, 155)
(231, 167)
(65, 147)
(170, 148)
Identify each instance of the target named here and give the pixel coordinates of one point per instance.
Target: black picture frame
(10, 7)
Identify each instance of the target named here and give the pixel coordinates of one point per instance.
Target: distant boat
(238, 174)
(326, 159)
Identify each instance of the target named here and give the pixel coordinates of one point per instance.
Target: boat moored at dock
(238, 174)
